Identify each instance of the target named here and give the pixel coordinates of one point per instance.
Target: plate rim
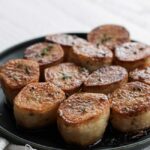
(21, 140)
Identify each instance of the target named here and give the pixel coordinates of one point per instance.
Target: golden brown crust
(36, 105)
(106, 79)
(67, 76)
(46, 54)
(19, 72)
(131, 99)
(109, 35)
(132, 55)
(91, 57)
(140, 74)
(82, 107)
(39, 97)
(67, 42)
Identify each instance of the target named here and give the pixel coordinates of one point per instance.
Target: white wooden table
(21, 20)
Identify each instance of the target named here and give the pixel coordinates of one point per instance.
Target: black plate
(50, 139)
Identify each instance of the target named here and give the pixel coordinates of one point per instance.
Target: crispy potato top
(106, 75)
(131, 99)
(81, 107)
(132, 51)
(109, 35)
(92, 51)
(65, 39)
(39, 96)
(141, 74)
(44, 53)
(66, 75)
(19, 72)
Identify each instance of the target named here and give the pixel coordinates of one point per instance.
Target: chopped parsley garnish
(15, 77)
(24, 67)
(83, 110)
(37, 55)
(137, 89)
(99, 79)
(65, 76)
(45, 51)
(19, 66)
(32, 89)
(82, 69)
(27, 70)
(105, 38)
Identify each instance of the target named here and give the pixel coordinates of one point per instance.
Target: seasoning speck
(83, 110)
(105, 38)
(27, 69)
(65, 76)
(46, 50)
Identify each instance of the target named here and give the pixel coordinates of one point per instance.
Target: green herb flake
(32, 89)
(83, 110)
(65, 76)
(37, 55)
(19, 65)
(82, 69)
(99, 79)
(105, 38)
(16, 78)
(137, 89)
(27, 70)
(45, 51)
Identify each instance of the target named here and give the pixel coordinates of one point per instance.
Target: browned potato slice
(131, 107)
(66, 41)
(106, 79)
(132, 55)
(83, 117)
(140, 74)
(91, 57)
(36, 105)
(109, 35)
(68, 76)
(46, 54)
(17, 73)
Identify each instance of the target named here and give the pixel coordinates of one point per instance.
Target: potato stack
(80, 84)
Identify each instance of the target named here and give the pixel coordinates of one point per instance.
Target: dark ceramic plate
(49, 138)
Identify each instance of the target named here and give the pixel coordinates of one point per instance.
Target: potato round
(140, 74)
(83, 117)
(109, 35)
(46, 54)
(91, 57)
(17, 73)
(106, 79)
(36, 104)
(67, 76)
(130, 110)
(66, 41)
(132, 55)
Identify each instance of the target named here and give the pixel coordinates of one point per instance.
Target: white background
(25, 19)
